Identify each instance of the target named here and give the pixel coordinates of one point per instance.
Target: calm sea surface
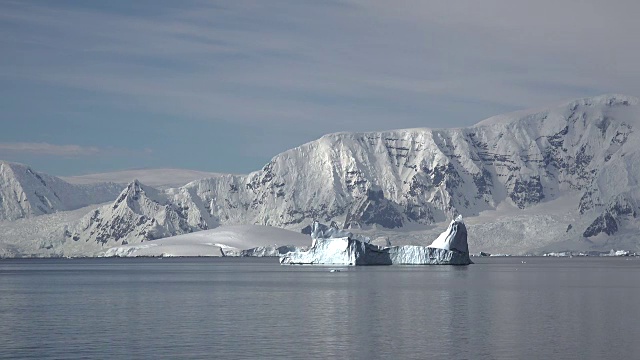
(580, 308)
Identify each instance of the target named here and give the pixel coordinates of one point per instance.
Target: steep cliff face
(26, 193)
(618, 211)
(586, 147)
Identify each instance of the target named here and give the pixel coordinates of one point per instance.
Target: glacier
(332, 246)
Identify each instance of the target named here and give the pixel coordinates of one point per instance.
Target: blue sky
(94, 86)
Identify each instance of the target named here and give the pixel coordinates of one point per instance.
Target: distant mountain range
(562, 177)
(158, 178)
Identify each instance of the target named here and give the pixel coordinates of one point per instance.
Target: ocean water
(498, 308)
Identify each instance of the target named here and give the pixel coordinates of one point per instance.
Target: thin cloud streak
(305, 68)
(48, 149)
(444, 51)
(68, 150)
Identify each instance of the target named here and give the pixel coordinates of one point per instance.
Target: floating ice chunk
(454, 238)
(332, 246)
(322, 231)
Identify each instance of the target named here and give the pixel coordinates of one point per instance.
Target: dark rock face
(306, 230)
(608, 222)
(483, 182)
(354, 180)
(419, 213)
(604, 223)
(444, 174)
(588, 201)
(374, 209)
(526, 192)
(621, 207)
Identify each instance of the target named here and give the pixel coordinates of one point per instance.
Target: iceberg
(332, 246)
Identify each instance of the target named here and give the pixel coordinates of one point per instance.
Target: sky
(223, 86)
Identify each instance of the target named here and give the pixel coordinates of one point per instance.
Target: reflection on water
(255, 308)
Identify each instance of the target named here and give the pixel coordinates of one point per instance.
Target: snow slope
(44, 236)
(221, 241)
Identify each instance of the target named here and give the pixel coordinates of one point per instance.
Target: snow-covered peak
(25, 193)
(23, 174)
(562, 110)
(606, 100)
(135, 190)
(140, 199)
(139, 213)
(7, 165)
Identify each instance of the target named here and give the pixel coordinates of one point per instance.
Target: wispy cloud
(48, 149)
(306, 68)
(278, 59)
(68, 150)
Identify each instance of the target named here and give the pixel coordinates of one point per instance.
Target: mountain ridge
(160, 178)
(26, 193)
(586, 149)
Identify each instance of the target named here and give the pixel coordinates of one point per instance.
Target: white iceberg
(331, 246)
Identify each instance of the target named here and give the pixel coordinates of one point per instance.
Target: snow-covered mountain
(26, 193)
(588, 147)
(524, 181)
(139, 213)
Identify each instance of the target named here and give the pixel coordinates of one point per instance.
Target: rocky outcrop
(610, 220)
(374, 209)
(140, 213)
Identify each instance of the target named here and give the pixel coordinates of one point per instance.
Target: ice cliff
(332, 246)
